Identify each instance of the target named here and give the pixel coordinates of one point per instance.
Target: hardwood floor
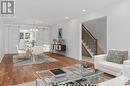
(12, 75)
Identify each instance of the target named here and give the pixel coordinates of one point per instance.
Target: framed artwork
(21, 36)
(60, 33)
(27, 35)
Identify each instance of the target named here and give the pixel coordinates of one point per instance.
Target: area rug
(22, 60)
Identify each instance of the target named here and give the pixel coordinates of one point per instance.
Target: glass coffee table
(75, 75)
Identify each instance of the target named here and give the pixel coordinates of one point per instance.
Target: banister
(95, 41)
(97, 48)
(89, 32)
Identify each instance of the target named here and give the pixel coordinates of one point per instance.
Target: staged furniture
(126, 68)
(69, 76)
(120, 80)
(37, 50)
(58, 47)
(108, 67)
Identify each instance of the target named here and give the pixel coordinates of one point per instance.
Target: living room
(48, 23)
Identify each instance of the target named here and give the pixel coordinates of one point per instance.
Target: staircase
(90, 52)
(89, 42)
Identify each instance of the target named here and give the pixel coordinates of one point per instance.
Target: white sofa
(108, 67)
(120, 80)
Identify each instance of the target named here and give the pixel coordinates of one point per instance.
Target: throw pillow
(128, 82)
(117, 56)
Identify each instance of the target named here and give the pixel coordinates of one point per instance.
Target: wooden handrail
(89, 32)
(97, 48)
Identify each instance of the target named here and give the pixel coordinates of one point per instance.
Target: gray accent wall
(98, 27)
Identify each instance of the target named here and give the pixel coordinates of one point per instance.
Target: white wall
(71, 34)
(11, 39)
(43, 36)
(11, 36)
(1, 41)
(118, 24)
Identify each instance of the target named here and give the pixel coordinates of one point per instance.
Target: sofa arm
(99, 58)
(126, 68)
(126, 62)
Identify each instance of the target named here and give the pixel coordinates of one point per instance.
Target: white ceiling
(52, 11)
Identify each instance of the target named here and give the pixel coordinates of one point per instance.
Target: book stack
(59, 74)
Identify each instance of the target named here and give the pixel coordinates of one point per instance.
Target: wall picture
(21, 36)
(27, 35)
(60, 33)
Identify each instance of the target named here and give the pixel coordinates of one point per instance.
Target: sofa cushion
(111, 66)
(117, 56)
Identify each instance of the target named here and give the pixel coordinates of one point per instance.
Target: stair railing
(91, 41)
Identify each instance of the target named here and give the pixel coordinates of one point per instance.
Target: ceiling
(53, 11)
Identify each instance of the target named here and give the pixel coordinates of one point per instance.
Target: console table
(58, 48)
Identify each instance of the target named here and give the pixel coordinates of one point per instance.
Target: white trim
(80, 42)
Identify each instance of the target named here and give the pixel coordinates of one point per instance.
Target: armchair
(126, 68)
(19, 51)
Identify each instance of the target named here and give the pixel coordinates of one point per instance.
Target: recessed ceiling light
(83, 10)
(66, 17)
